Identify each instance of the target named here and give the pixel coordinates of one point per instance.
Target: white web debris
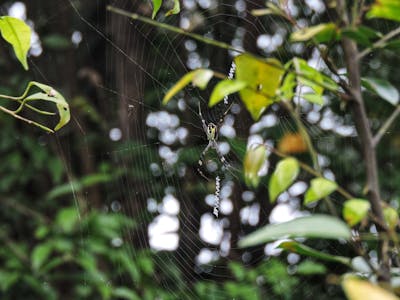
(217, 196)
(230, 76)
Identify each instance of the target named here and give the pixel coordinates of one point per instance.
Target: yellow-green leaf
(51, 95)
(355, 210)
(311, 77)
(224, 88)
(321, 33)
(320, 188)
(391, 217)
(386, 9)
(287, 87)
(313, 98)
(199, 77)
(357, 289)
(156, 7)
(263, 78)
(285, 173)
(202, 77)
(253, 161)
(272, 9)
(175, 10)
(46, 93)
(18, 34)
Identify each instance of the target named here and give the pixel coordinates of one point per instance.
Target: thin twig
(313, 153)
(378, 136)
(173, 29)
(352, 60)
(379, 43)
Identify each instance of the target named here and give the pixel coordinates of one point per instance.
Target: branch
(351, 57)
(386, 126)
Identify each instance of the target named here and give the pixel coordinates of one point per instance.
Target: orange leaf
(292, 143)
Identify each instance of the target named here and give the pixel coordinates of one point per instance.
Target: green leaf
(175, 10)
(382, 88)
(385, 9)
(237, 270)
(18, 34)
(311, 77)
(310, 268)
(288, 87)
(125, 293)
(355, 210)
(93, 179)
(56, 42)
(224, 88)
(285, 173)
(67, 218)
(156, 7)
(199, 77)
(320, 188)
(301, 249)
(67, 188)
(7, 279)
(391, 217)
(130, 266)
(320, 33)
(272, 9)
(146, 264)
(392, 45)
(357, 289)
(252, 163)
(313, 98)
(263, 78)
(40, 254)
(361, 35)
(315, 226)
(41, 232)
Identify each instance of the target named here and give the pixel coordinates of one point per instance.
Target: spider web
(157, 147)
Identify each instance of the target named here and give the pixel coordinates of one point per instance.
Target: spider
(211, 130)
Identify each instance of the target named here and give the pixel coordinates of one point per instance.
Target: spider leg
(223, 116)
(220, 155)
(201, 161)
(203, 122)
